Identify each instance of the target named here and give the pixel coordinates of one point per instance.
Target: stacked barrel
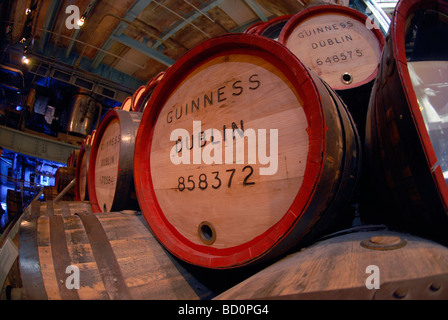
(251, 145)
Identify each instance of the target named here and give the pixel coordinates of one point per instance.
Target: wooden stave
(145, 269)
(291, 238)
(411, 196)
(125, 199)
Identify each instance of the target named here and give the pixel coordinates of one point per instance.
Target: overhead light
(81, 21)
(25, 60)
(27, 11)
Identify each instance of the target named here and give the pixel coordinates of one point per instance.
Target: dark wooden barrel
(127, 104)
(111, 256)
(406, 136)
(110, 176)
(73, 158)
(220, 212)
(273, 27)
(63, 176)
(13, 203)
(336, 42)
(81, 189)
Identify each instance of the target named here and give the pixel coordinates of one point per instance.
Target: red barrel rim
(137, 97)
(127, 100)
(299, 77)
(403, 10)
(253, 28)
(262, 28)
(325, 8)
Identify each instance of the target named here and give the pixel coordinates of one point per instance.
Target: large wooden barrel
(339, 44)
(138, 94)
(360, 265)
(78, 255)
(110, 177)
(407, 127)
(230, 209)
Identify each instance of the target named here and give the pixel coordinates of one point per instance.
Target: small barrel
(127, 104)
(81, 190)
(273, 27)
(13, 203)
(219, 203)
(63, 176)
(341, 46)
(407, 127)
(110, 176)
(141, 104)
(138, 94)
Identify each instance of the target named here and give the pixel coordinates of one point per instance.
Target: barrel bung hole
(347, 78)
(206, 232)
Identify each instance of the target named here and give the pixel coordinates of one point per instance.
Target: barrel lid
(227, 214)
(337, 42)
(127, 104)
(400, 22)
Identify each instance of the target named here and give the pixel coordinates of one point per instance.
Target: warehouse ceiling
(129, 41)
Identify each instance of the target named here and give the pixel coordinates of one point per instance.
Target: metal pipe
(65, 190)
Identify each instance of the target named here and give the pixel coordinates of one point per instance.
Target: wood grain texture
(340, 263)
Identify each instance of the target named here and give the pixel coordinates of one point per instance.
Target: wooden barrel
(63, 177)
(253, 28)
(406, 135)
(141, 104)
(81, 190)
(13, 203)
(273, 27)
(127, 104)
(110, 176)
(228, 209)
(338, 43)
(138, 94)
(362, 265)
(79, 255)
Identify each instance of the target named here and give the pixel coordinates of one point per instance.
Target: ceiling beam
(182, 24)
(139, 46)
(256, 8)
(50, 16)
(130, 16)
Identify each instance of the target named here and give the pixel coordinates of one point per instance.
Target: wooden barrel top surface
(211, 206)
(110, 177)
(337, 268)
(337, 43)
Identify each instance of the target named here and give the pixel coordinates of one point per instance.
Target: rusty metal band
(30, 270)
(61, 257)
(105, 258)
